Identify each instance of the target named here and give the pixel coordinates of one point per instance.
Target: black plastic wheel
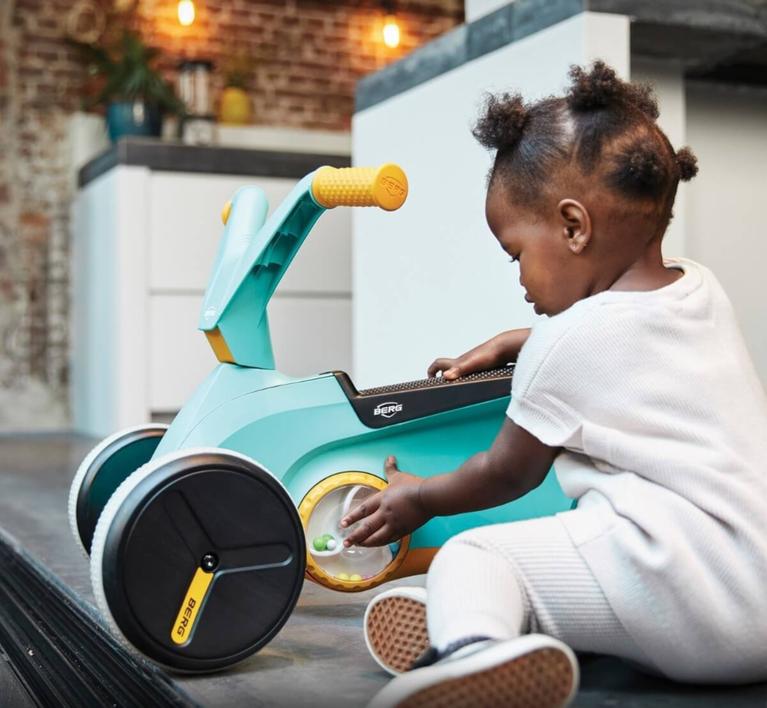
(199, 560)
(103, 470)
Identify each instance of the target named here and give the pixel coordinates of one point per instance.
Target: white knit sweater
(663, 424)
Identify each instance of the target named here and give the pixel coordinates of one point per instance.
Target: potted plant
(235, 101)
(134, 94)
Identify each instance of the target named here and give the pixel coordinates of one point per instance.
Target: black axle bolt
(209, 562)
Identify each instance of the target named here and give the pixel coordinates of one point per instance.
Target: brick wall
(307, 56)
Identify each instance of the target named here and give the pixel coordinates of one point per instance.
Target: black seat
(388, 405)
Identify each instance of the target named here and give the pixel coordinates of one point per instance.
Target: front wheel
(198, 559)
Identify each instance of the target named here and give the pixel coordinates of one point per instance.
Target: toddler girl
(638, 388)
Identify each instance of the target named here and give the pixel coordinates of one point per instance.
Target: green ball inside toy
(343, 576)
(319, 543)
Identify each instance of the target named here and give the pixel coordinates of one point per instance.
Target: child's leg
(508, 579)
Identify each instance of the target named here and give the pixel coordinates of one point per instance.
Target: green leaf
(129, 72)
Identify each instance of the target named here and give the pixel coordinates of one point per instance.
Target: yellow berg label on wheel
(187, 615)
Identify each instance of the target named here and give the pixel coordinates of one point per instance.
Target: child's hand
(390, 514)
(479, 359)
(494, 353)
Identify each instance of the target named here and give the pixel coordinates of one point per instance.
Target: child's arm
(494, 353)
(516, 463)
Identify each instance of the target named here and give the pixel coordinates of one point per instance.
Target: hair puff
(600, 87)
(687, 164)
(597, 87)
(640, 170)
(502, 121)
(603, 132)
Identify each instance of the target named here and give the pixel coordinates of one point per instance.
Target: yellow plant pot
(235, 106)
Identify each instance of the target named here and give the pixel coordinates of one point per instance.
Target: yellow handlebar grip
(384, 186)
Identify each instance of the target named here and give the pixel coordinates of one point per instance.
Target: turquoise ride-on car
(201, 534)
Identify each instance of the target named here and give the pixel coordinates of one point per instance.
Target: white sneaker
(395, 628)
(531, 671)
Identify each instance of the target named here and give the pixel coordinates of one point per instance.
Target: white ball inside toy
(330, 545)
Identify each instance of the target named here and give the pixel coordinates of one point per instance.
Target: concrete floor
(319, 658)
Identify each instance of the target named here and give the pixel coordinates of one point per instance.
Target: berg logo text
(388, 409)
(181, 628)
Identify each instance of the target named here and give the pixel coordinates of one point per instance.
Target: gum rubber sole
(395, 630)
(541, 679)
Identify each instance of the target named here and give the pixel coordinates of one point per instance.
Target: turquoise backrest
(253, 255)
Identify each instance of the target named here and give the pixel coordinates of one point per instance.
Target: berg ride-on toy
(201, 534)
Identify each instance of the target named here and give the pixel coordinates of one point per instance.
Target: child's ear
(576, 224)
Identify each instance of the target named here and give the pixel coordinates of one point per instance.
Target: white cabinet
(310, 334)
(144, 242)
(184, 221)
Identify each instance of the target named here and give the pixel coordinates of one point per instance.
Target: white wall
(727, 129)
(430, 279)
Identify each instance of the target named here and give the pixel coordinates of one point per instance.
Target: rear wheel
(198, 559)
(103, 470)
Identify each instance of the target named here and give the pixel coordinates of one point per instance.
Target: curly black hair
(603, 125)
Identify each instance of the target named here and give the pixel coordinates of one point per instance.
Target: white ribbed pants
(504, 580)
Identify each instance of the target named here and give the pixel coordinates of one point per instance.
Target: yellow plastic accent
(190, 607)
(219, 346)
(305, 509)
(226, 211)
(384, 186)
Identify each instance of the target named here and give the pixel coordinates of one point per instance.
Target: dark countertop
(713, 40)
(178, 157)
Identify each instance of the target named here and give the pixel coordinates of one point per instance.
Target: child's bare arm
(495, 352)
(516, 463)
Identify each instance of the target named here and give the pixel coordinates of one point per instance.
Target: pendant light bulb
(391, 32)
(186, 12)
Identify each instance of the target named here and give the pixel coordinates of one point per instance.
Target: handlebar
(384, 186)
(255, 251)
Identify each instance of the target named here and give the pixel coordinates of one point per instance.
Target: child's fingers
(438, 365)
(365, 530)
(367, 507)
(380, 538)
(390, 466)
